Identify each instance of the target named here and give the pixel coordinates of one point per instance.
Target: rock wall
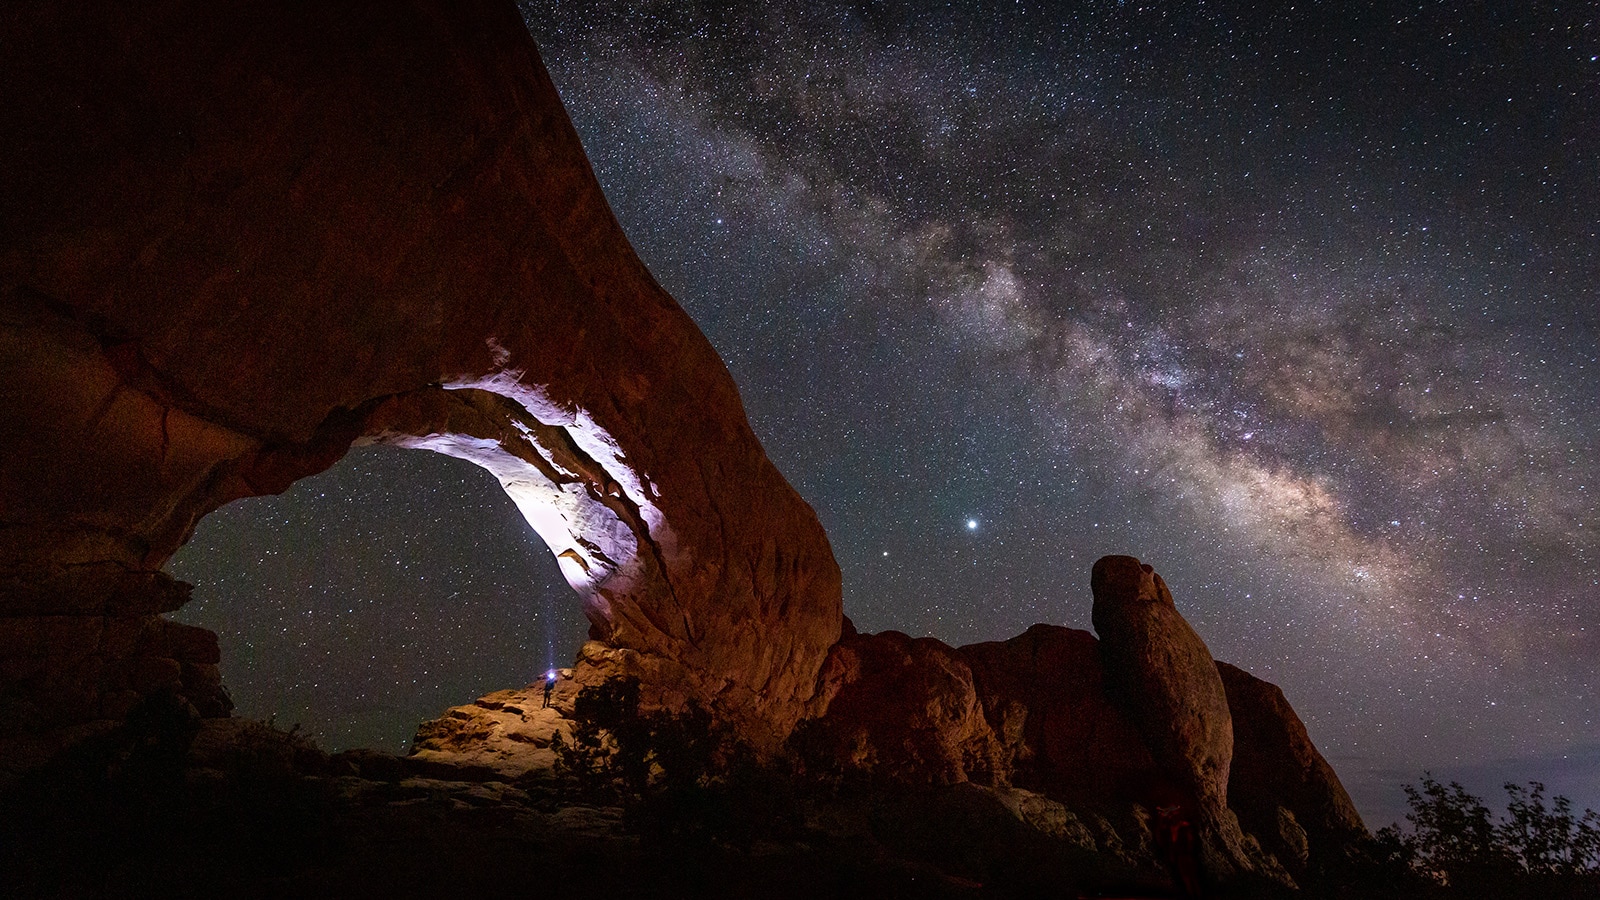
(237, 238)
(1044, 693)
(1284, 792)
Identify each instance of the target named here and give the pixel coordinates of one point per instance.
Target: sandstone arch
(238, 243)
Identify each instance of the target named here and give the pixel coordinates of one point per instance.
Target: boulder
(507, 733)
(1043, 724)
(905, 709)
(1161, 674)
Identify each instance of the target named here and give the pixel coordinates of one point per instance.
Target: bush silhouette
(678, 774)
(1455, 846)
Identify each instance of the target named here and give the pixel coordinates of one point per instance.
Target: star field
(1299, 307)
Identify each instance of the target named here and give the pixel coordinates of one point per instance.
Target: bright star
(972, 524)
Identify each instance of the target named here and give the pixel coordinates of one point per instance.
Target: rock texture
(1284, 792)
(1085, 737)
(905, 709)
(1044, 692)
(1161, 674)
(235, 241)
(506, 734)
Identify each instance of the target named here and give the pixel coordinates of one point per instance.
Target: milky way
(1301, 310)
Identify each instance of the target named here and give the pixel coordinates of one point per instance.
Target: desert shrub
(677, 774)
(812, 754)
(607, 755)
(1455, 846)
(1549, 840)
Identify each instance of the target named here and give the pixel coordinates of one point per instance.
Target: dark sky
(1299, 306)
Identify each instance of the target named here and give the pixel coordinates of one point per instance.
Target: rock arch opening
(567, 476)
(370, 597)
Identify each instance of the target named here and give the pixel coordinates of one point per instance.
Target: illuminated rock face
(232, 245)
(504, 735)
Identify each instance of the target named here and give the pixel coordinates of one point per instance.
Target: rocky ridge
(1047, 722)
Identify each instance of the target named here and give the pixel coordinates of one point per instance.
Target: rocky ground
(179, 807)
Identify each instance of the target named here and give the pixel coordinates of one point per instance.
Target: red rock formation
(1044, 693)
(505, 734)
(1160, 673)
(905, 709)
(235, 239)
(1284, 792)
(1138, 718)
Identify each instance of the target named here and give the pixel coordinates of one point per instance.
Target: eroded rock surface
(233, 243)
(904, 708)
(507, 733)
(1162, 675)
(1044, 693)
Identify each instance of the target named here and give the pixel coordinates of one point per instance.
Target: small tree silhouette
(1455, 845)
(610, 748)
(679, 774)
(1550, 841)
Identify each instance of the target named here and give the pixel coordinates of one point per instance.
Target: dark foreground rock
(1283, 790)
(235, 808)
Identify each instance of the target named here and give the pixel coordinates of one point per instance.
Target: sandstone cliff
(1112, 728)
(1046, 721)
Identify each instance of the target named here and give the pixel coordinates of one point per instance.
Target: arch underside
(600, 535)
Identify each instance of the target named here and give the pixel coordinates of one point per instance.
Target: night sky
(1300, 307)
